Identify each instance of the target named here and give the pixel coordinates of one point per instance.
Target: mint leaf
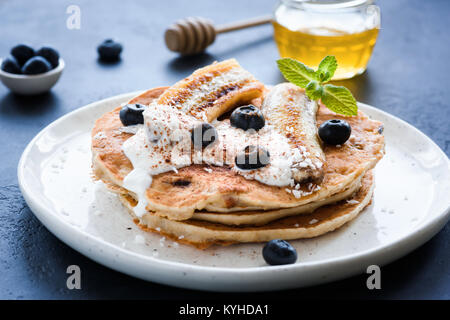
(339, 99)
(327, 67)
(296, 72)
(314, 90)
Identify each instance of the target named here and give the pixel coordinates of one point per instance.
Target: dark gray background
(408, 76)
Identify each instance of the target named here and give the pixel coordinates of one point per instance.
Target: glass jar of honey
(309, 30)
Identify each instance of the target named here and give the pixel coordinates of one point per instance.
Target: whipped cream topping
(164, 144)
(232, 141)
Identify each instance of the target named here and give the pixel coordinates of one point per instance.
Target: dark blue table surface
(408, 76)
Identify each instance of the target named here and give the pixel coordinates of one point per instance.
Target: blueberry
(22, 53)
(252, 158)
(247, 117)
(36, 65)
(109, 50)
(203, 135)
(131, 114)
(380, 129)
(10, 65)
(278, 251)
(50, 54)
(335, 131)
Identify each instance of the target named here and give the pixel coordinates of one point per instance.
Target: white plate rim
(63, 230)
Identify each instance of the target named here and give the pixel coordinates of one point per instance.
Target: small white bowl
(32, 84)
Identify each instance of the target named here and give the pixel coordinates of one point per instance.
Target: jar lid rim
(328, 5)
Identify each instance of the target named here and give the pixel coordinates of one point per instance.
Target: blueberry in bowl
(28, 72)
(109, 50)
(11, 65)
(50, 54)
(36, 65)
(22, 53)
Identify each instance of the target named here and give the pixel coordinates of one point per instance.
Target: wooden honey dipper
(194, 35)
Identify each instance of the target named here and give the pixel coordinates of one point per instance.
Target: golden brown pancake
(257, 217)
(203, 234)
(179, 195)
(260, 217)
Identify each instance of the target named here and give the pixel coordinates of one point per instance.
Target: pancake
(203, 234)
(258, 217)
(250, 216)
(179, 194)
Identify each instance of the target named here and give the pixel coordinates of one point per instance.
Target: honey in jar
(310, 30)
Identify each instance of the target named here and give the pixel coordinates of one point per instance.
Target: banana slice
(287, 108)
(213, 90)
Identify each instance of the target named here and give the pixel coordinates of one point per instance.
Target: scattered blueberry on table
(109, 50)
(278, 252)
(25, 60)
(335, 132)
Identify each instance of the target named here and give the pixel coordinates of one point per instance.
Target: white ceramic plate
(411, 204)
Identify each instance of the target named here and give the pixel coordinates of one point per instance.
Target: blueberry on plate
(335, 131)
(109, 50)
(203, 135)
(253, 157)
(36, 65)
(247, 117)
(131, 114)
(22, 53)
(277, 252)
(10, 65)
(50, 54)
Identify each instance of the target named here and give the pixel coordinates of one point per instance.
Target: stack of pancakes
(203, 204)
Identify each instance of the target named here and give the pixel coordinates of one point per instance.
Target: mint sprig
(336, 98)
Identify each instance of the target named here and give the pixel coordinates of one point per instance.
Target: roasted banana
(213, 90)
(287, 108)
